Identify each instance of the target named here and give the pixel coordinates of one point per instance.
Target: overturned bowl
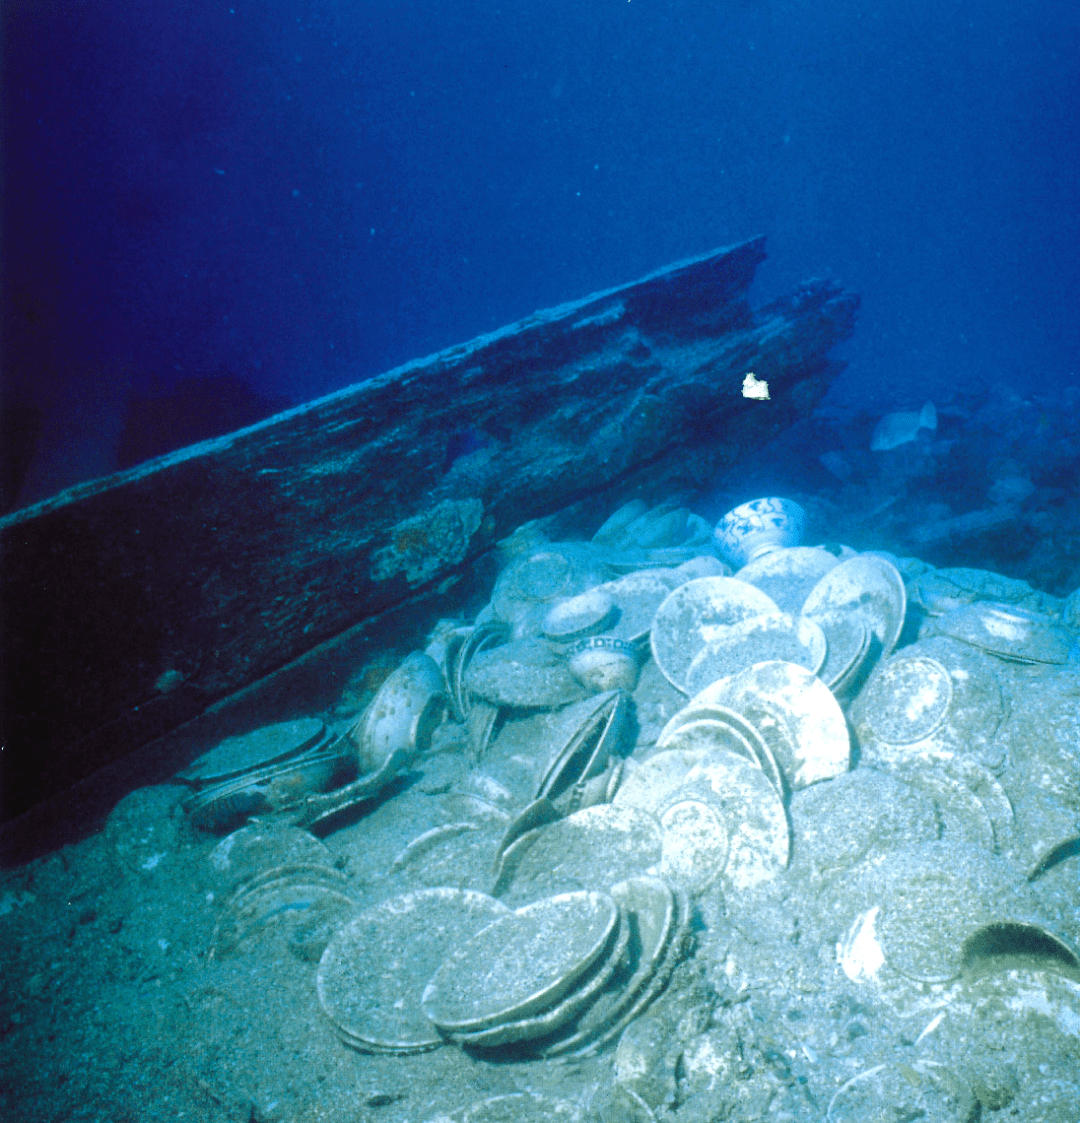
(752, 529)
(403, 715)
(602, 663)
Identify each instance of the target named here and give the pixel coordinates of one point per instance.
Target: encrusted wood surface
(131, 603)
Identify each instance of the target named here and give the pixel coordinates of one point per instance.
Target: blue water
(212, 210)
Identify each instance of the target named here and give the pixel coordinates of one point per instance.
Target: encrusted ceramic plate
(917, 906)
(713, 726)
(847, 641)
(252, 850)
(866, 587)
(759, 838)
(587, 614)
(403, 714)
(923, 1089)
(652, 913)
(525, 674)
(796, 715)
(906, 699)
(1009, 632)
(696, 838)
(236, 756)
(637, 596)
(454, 856)
(943, 590)
(586, 991)
(651, 781)
(757, 640)
(308, 902)
(372, 975)
(787, 575)
(520, 964)
(976, 704)
(591, 848)
(861, 814)
(532, 583)
(696, 613)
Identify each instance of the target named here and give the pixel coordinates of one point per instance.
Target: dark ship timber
(219, 577)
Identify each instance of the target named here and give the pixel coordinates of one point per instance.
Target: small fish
(896, 429)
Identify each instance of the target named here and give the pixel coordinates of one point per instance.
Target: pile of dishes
(935, 698)
(643, 730)
(938, 591)
(372, 974)
(560, 975)
(309, 900)
(846, 615)
(284, 767)
(1006, 631)
(266, 770)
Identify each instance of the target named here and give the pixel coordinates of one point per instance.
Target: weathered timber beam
(133, 602)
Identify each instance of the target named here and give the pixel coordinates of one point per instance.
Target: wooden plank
(132, 603)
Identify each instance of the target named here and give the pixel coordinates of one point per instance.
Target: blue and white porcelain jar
(759, 527)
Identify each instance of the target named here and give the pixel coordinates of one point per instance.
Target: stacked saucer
(563, 974)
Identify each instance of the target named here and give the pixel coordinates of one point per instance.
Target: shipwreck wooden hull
(132, 603)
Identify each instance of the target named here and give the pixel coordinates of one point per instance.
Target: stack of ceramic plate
(863, 592)
(563, 973)
(659, 920)
(371, 976)
(259, 771)
(528, 974)
(251, 850)
(239, 756)
(719, 814)
(794, 713)
(703, 726)
(850, 647)
(1010, 633)
(309, 900)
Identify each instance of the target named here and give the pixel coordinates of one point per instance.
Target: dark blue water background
(213, 210)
